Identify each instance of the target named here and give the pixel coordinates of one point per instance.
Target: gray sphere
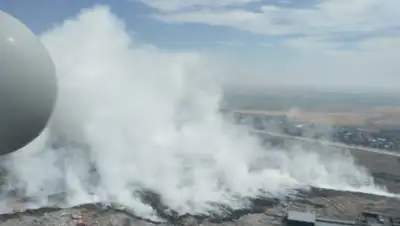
(28, 87)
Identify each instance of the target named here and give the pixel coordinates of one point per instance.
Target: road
(330, 143)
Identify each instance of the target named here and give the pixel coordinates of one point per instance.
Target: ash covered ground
(343, 205)
(326, 203)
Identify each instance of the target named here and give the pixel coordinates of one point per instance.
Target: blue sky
(43, 14)
(279, 36)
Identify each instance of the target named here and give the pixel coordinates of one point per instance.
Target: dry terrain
(325, 203)
(376, 117)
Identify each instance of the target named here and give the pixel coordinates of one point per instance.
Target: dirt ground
(376, 117)
(325, 203)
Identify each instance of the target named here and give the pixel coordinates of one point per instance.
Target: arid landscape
(372, 118)
(326, 203)
(368, 109)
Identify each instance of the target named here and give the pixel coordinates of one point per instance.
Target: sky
(257, 43)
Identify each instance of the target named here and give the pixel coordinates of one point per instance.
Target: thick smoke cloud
(147, 118)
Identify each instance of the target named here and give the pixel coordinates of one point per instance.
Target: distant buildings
(382, 139)
(366, 218)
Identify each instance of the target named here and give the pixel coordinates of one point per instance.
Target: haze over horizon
(333, 44)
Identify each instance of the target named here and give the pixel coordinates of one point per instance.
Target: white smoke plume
(149, 118)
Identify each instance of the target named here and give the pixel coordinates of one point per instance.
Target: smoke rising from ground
(150, 120)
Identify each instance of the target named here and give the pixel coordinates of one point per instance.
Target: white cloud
(314, 39)
(328, 16)
(173, 5)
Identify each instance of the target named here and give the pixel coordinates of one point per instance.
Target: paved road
(330, 143)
